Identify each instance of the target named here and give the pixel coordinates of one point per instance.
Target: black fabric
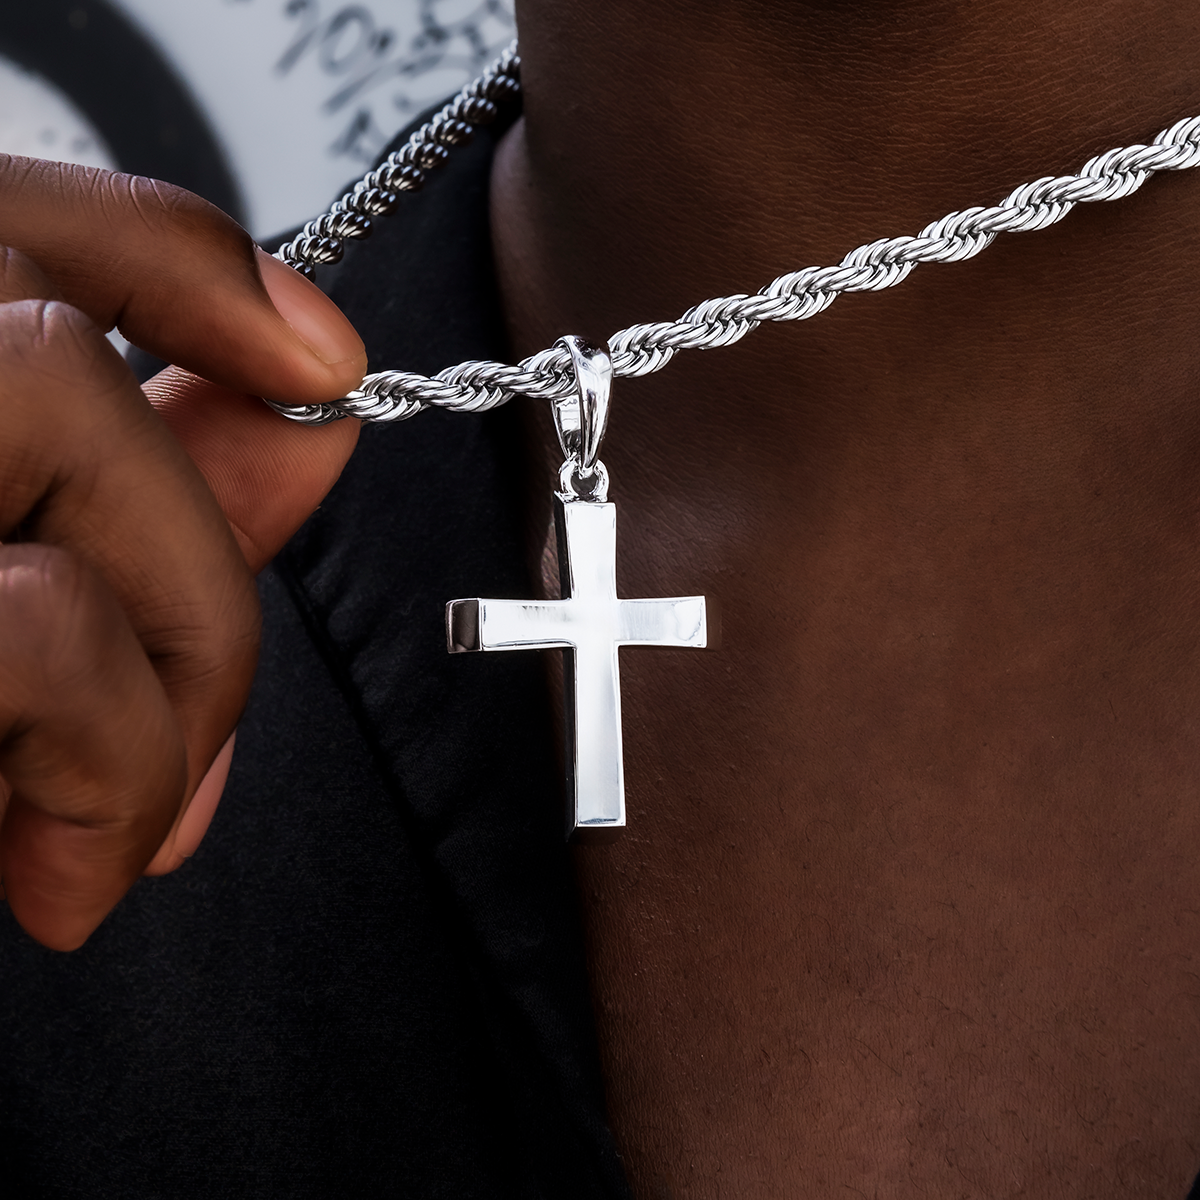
(369, 981)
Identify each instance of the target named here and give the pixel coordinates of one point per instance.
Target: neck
(726, 143)
(722, 145)
(929, 514)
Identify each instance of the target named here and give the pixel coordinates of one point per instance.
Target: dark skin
(908, 906)
(128, 616)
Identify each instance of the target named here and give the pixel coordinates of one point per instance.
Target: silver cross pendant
(590, 622)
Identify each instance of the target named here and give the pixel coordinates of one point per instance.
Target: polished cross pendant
(590, 622)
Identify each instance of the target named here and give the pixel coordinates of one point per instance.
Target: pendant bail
(582, 418)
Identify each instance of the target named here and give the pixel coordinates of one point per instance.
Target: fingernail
(204, 803)
(314, 318)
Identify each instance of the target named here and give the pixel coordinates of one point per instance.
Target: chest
(909, 900)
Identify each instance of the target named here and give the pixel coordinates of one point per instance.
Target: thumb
(267, 473)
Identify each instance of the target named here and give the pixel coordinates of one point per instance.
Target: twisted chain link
(644, 349)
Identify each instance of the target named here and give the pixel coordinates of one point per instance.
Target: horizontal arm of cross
(509, 625)
(675, 621)
(479, 624)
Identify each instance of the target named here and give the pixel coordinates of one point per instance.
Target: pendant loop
(581, 419)
(573, 482)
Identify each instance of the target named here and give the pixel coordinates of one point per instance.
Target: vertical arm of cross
(587, 561)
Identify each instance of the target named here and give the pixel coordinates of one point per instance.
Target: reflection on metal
(582, 418)
(590, 623)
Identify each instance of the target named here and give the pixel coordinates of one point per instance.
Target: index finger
(180, 279)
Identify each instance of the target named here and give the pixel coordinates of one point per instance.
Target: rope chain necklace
(644, 349)
(590, 621)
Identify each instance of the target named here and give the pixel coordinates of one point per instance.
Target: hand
(128, 616)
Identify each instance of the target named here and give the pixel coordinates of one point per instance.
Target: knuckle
(45, 341)
(165, 208)
(72, 624)
(49, 604)
(21, 278)
(109, 752)
(211, 648)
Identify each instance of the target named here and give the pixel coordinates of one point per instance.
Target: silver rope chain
(644, 349)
